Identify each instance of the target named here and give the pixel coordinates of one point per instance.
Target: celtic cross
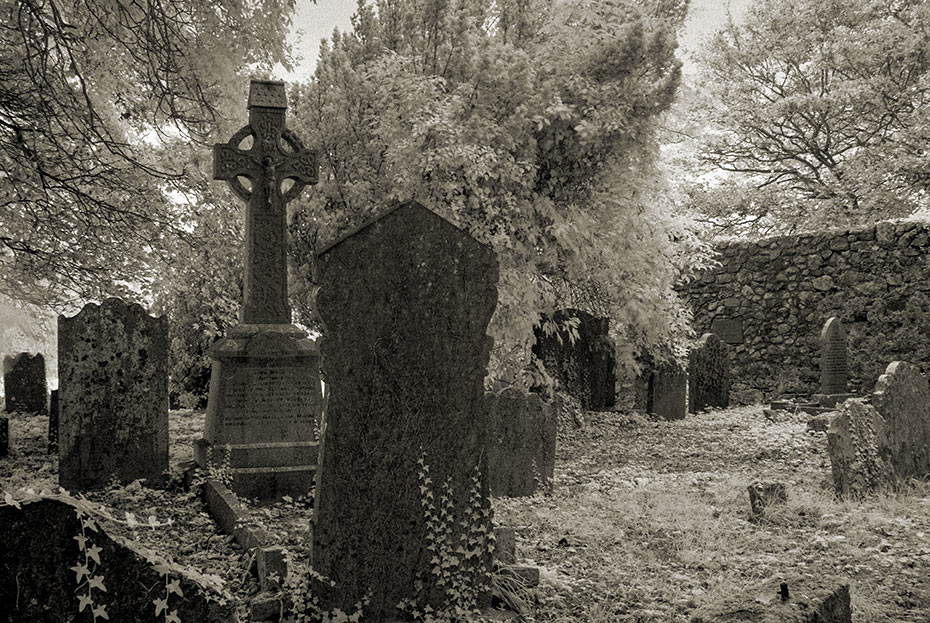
(276, 155)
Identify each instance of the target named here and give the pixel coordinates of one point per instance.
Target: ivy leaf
(160, 605)
(172, 617)
(174, 586)
(81, 571)
(94, 553)
(97, 582)
(100, 612)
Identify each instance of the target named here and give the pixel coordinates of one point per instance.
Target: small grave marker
(708, 374)
(24, 385)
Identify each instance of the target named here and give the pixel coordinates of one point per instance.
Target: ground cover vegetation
(646, 521)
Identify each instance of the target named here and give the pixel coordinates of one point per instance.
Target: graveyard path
(649, 521)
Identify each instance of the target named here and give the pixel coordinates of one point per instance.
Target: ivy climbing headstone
(402, 486)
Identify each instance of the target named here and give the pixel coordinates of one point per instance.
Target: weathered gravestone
(521, 450)
(113, 396)
(708, 374)
(902, 396)
(24, 383)
(53, 422)
(584, 368)
(834, 372)
(667, 391)
(265, 396)
(4, 436)
(38, 554)
(860, 450)
(405, 303)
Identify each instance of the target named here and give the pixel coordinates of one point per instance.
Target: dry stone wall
(770, 298)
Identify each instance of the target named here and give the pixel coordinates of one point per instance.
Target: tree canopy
(530, 124)
(103, 106)
(820, 110)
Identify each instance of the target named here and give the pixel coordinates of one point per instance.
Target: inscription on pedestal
(262, 395)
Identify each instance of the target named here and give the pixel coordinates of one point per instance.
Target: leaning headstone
(708, 374)
(265, 400)
(113, 396)
(834, 367)
(405, 302)
(584, 367)
(667, 392)
(53, 422)
(521, 445)
(902, 396)
(4, 436)
(24, 383)
(860, 452)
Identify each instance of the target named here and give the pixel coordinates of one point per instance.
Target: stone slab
(271, 567)
(902, 396)
(830, 401)
(667, 392)
(4, 436)
(585, 367)
(810, 600)
(834, 367)
(113, 396)
(24, 385)
(525, 575)
(522, 438)
(37, 584)
(232, 516)
(860, 451)
(506, 540)
(708, 374)
(405, 303)
(53, 411)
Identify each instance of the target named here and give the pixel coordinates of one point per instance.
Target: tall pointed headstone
(402, 494)
(265, 394)
(834, 369)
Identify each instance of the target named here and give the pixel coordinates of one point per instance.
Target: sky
(313, 22)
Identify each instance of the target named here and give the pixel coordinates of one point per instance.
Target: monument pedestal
(264, 410)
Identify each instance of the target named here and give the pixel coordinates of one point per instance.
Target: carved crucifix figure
(276, 155)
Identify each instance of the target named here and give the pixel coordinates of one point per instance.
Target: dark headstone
(37, 582)
(708, 374)
(265, 400)
(902, 396)
(667, 392)
(583, 368)
(521, 450)
(833, 364)
(24, 384)
(860, 451)
(729, 330)
(53, 422)
(4, 436)
(405, 304)
(113, 396)
(763, 495)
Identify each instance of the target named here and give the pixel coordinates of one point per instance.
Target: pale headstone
(113, 396)
(833, 364)
(708, 374)
(521, 450)
(405, 303)
(667, 391)
(902, 396)
(583, 368)
(24, 385)
(860, 451)
(265, 399)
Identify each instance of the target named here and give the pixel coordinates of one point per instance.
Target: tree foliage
(104, 105)
(528, 123)
(820, 109)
